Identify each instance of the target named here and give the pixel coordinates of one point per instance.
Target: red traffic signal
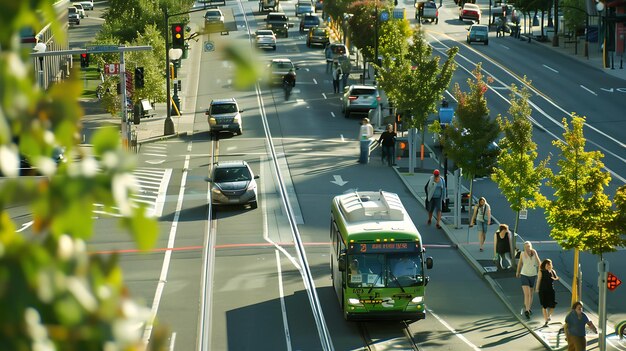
(84, 60)
(178, 36)
(612, 281)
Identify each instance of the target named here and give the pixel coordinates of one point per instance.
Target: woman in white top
(527, 270)
(365, 135)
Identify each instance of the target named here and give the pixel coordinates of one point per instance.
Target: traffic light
(139, 82)
(84, 60)
(178, 36)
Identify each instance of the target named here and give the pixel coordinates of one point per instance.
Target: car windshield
(231, 174)
(338, 49)
(223, 108)
(281, 65)
(311, 19)
(480, 30)
(213, 13)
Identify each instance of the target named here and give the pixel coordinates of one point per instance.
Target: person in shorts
(527, 270)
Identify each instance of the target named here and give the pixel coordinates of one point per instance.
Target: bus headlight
(418, 299)
(354, 302)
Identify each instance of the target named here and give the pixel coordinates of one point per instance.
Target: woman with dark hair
(546, 277)
(574, 328)
(503, 247)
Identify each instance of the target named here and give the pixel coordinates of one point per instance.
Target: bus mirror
(341, 263)
(429, 262)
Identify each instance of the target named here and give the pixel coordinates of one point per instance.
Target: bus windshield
(385, 270)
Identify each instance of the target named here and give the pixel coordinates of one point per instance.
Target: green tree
(467, 140)
(363, 26)
(517, 175)
(581, 214)
(416, 80)
(53, 293)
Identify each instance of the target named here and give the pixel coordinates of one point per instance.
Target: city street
(255, 296)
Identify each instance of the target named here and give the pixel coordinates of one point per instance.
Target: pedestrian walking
(547, 297)
(482, 218)
(388, 141)
(337, 73)
(328, 53)
(503, 247)
(366, 132)
(527, 272)
(435, 190)
(574, 328)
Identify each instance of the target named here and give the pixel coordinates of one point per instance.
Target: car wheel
(437, 20)
(487, 42)
(253, 204)
(286, 34)
(274, 47)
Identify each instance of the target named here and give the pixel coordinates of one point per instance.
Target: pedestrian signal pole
(603, 269)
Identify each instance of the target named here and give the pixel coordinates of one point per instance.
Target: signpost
(121, 70)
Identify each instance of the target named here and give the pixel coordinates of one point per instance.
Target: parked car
(359, 99)
(470, 12)
(478, 33)
(265, 38)
(72, 15)
(278, 22)
(87, 5)
(318, 35)
(304, 6)
(81, 10)
(427, 11)
(309, 21)
(224, 115)
(278, 67)
(233, 183)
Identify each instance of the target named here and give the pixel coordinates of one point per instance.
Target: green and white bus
(377, 258)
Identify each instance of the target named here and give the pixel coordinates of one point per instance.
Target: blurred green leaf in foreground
(54, 295)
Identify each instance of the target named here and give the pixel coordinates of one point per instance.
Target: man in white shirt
(365, 135)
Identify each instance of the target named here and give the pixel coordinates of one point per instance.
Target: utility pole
(603, 271)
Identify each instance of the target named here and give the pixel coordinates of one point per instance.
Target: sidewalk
(503, 283)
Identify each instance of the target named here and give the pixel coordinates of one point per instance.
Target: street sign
(112, 68)
(523, 214)
(612, 282)
(209, 46)
(384, 15)
(103, 48)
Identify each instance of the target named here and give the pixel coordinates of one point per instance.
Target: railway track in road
(392, 336)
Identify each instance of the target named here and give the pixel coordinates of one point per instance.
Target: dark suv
(309, 21)
(279, 23)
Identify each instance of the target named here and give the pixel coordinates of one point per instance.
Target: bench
(146, 109)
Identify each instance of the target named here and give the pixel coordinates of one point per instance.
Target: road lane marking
(453, 331)
(550, 68)
(589, 90)
(281, 295)
(168, 255)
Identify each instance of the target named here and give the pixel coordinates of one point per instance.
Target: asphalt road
(258, 300)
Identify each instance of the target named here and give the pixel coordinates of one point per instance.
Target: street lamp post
(168, 128)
